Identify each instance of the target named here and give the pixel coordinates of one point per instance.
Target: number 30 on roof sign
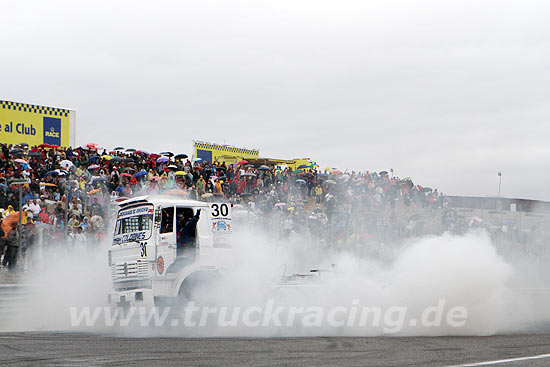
(220, 217)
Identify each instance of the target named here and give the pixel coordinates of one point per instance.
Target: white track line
(503, 361)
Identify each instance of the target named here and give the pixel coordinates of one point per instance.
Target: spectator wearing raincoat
(8, 211)
(200, 184)
(218, 187)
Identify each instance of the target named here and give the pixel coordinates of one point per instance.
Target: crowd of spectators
(72, 192)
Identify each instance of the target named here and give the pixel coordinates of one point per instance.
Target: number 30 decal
(219, 209)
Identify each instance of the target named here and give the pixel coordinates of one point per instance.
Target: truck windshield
(134, 224)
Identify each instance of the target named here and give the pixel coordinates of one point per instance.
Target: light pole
(499, 182)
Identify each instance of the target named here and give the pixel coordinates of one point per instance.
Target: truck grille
(130, 270)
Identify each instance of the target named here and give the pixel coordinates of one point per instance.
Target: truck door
(166, 247)
(186, 231)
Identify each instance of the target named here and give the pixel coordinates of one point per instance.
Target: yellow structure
(292, 163)
(35, 125)
(211, 152)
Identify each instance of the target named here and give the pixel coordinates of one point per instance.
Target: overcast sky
(447, 92)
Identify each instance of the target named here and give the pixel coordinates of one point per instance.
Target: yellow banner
(34, 125)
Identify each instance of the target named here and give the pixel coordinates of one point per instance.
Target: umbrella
(162, 159)
(130, 150)
(93, 166)
(337, 172)
(198, 167)
(383, 173)
(207, 195)
(129, 169)
(248, 174)
(93, 158)
(169, 154)
(22, 161)
(180, 173)
(97, 179)
(330, 182)
(172, 166)
(106, 157)
(300, 181)
(126, 160)
(140, 173)
(279, 205)
(473, 220)
(297, 171)
(66, 164)
(35, 154)
(243, 162)
(52, 173)
(263, 168)
(94, 191)
(303, 166)
(221, 178)
(249, 166)
(93, 146)
(142, 152)
(180, 156)
(198, 159)
(8, 222)
(322, 175)
(426, 189)
(116, 160)
(119, 148)
(344, 177)
(126, 174)
(48, 184)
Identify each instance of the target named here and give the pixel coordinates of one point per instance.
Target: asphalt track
(77, 349)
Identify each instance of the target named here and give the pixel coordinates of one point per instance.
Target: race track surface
(66, 349)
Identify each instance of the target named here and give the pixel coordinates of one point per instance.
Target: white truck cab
(164, 245)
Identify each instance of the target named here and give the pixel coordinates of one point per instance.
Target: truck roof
(162, 200)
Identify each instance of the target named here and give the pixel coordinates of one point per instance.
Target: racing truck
(164, 248)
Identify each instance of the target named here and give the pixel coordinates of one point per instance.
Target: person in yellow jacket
(318, 193)
(8, 211)
(218, 187)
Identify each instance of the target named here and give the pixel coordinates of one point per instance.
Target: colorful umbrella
(8, 222)
(162, 159)
(93, 146)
